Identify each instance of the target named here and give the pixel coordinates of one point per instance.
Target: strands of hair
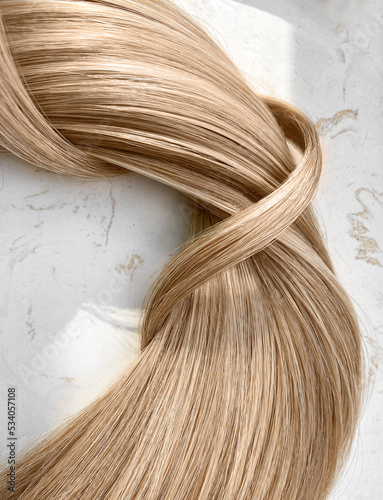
(249, 381)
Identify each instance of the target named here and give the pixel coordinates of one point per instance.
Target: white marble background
(77, 257)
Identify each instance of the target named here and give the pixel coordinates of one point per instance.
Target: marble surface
(77, 257)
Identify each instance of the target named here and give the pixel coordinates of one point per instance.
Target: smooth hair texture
(249, 381)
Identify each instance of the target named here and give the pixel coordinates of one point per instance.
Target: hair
(249, 380)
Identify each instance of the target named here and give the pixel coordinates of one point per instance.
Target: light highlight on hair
(248, 385)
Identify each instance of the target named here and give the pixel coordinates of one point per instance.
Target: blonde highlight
(249, 381)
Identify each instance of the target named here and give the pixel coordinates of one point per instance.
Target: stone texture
(77, 257)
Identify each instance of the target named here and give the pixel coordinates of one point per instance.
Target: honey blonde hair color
(248, 383)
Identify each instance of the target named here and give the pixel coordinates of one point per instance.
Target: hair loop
(249, 381)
